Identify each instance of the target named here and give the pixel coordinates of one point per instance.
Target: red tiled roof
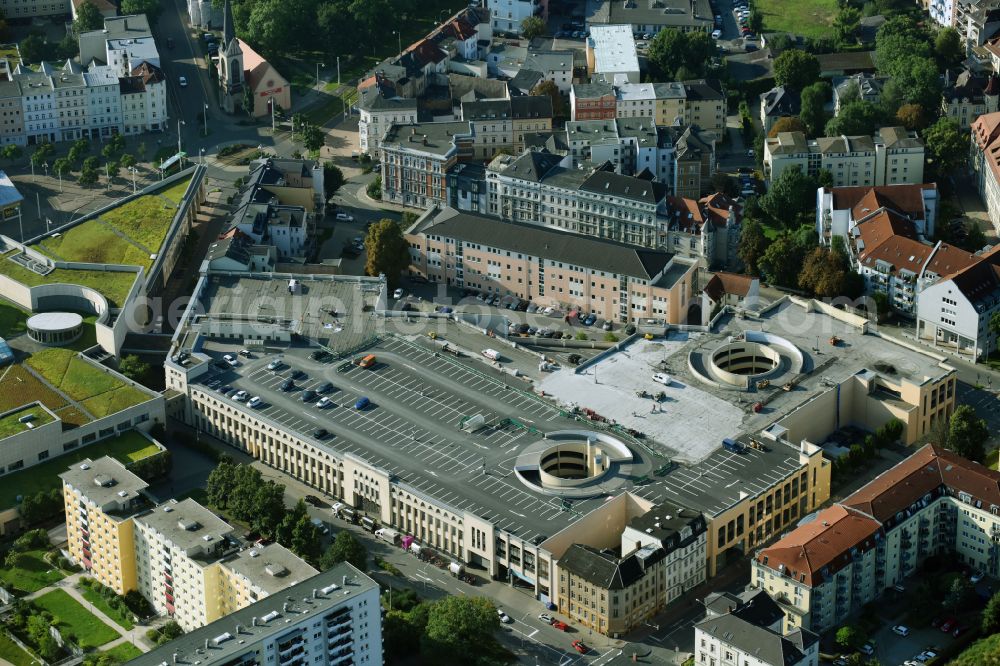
(686, 213)
(932, 466)
(948, 260)
(827, 541)
(716, 208)
(723, 283)
(257, 68)
(986, 131)
(904, 199)
(981, 278)
(813, 552)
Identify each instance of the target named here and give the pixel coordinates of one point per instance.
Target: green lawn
(73, 618)
(32, 574)
(123, 652)
(12, 653)
(101, 393)
(127, 448)
(100, 603)
(113, 285)
(11, 424)
(12, 320)
(809, 18)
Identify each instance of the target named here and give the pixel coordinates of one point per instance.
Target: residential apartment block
(279, 204)
(661, 556)
(508, 15)
(651, 16)
(886, 232)
(376, 113)
(972, 95)
(101, 497)
(592, 101)
(932, 503)
(27, 9)
(954, 313)
(417, 157)
(985, 153)
(777, 103)
(330, 618)
(747, 628)
(700, 102)
(545, 189)
(890, 157)
(185, 560)
(611, 54)
(500, 124)
(550, 267)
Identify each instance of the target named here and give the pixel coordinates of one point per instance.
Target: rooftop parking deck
(419, 398)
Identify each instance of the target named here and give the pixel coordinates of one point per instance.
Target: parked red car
(580, 647)
(948, 625)
(561, 626)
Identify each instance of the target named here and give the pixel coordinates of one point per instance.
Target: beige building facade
(550, 267)
(934, 502)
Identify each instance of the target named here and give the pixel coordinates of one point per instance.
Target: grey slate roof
(532, 165)
(592, 90)
(753, 606)
(666, 13)
(535, 240)
(626, 187)
(525, 80)
(531, 106)
(781, 101)
(602, 569)
(766, 645)
(372, 100)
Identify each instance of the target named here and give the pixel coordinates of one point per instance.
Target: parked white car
(255, 401)
(662, 378)
(504, 617)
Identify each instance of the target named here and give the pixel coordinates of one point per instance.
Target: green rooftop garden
(126, 448)
(13, 320)
(19, 387)
(11, 652)
(100, 392)
(127, 234)
(11, 424)
(113, 285)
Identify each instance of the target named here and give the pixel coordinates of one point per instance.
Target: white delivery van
(491, 354)
(387, 534)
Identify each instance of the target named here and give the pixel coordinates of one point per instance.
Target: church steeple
(228, 27)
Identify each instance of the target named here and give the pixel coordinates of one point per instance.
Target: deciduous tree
(532, 27)
(796, 69)
(459, 626)
(88, 17)
(949, 47)
(151, 8)
(857, 118)
(133, 367)
(345, 548)
(846, 24)
(792, 194)
(946, 145)
(388, 252)
(912, 116)
(812, 111)
(333, 179)
(967, 433)
(753, 244)
(787, 124)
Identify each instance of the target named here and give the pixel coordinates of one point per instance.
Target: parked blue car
(362, 403)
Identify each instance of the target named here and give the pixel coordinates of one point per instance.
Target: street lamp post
(107, 173)
(202, 152)
(399, 41)
(321, 64)
(338, 71)
(45, 165)
(206, 118)
(133, 170)
(179, 123)
(38, 202)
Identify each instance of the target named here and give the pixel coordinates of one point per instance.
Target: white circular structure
(55, 328)
(574, 463)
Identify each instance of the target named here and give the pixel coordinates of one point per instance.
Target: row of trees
(283, 26)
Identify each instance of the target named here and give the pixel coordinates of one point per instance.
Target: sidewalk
(136, 635)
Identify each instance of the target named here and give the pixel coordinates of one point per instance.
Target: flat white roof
(614, 49)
